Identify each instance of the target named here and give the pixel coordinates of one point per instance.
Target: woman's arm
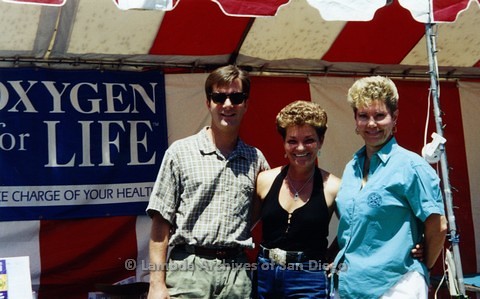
(331, 186)
(435, 232)
(256, 209)
(262, 186)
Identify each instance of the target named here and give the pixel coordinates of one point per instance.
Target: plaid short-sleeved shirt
(204, 196)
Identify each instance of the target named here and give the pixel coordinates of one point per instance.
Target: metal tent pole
(434, 87)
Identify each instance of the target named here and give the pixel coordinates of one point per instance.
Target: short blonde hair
(375, 88)
(302, 113)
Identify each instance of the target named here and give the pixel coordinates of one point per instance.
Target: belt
(219, 252)
(284, 257)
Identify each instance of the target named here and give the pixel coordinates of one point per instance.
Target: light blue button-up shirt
(381, 222)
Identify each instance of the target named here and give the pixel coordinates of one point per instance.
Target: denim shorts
(295, 280)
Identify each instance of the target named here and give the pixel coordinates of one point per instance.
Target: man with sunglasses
(201, 201)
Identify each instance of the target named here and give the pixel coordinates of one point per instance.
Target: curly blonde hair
(375, 88)
(301, 113)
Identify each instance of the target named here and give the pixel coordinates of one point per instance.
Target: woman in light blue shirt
(389, 201)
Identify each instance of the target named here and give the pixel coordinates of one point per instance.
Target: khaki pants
(192, 276)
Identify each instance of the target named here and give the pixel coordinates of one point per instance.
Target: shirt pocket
(243, 197)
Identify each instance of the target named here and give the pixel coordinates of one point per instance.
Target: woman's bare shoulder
(269, 175)
(331, 182)
(265, 180)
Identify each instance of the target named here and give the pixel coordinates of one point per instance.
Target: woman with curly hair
(297, 203)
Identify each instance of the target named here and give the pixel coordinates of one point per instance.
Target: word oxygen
(114, 94)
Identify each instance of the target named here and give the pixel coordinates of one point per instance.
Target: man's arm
(158, 247)
(435, 232)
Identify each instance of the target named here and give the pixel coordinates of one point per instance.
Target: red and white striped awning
(306, 36)
(296, 36)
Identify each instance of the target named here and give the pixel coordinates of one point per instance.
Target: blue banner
(77, 144)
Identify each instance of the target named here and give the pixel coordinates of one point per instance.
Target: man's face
(227, 116)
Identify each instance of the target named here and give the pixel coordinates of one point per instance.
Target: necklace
(296, 195)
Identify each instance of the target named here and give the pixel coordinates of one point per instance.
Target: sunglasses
(236, 98)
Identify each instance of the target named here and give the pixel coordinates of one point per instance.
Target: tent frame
(320, 68)
(435, 90)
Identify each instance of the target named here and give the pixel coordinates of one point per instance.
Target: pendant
(295, 197)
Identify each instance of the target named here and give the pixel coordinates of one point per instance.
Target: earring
(318, 154)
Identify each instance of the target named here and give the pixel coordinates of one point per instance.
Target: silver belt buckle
(278, 256)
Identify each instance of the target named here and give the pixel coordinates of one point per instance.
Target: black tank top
(308, 228)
